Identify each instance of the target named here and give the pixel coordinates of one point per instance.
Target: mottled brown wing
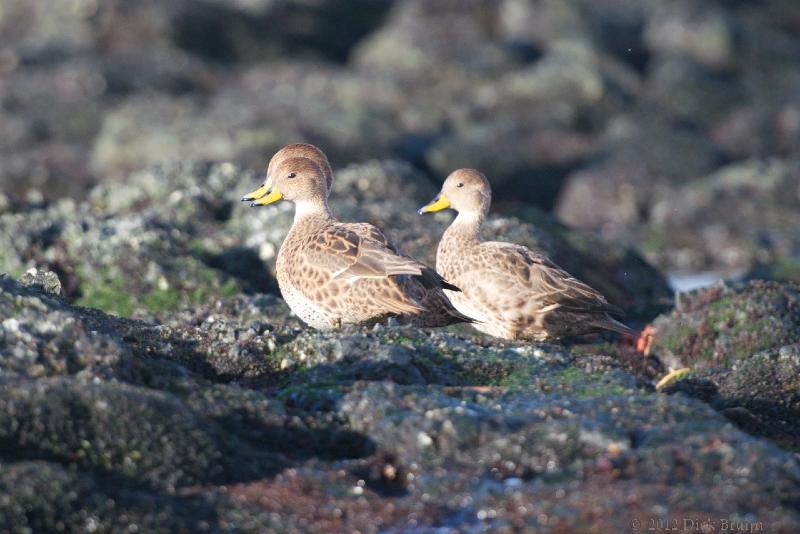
(349, 255)
(430, 278)
(373, 232)
(549, 283)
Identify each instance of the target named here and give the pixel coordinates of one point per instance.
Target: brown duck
(315, 154)
(511, 291)
(331, 273)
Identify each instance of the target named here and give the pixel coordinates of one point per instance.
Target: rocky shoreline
(152, 379)
(232, 417)
(207, 405)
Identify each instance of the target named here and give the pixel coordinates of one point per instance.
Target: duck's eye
(292, 175)
(460, 184)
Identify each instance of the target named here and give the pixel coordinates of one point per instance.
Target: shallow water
(687, 281)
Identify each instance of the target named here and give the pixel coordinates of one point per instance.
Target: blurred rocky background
(150, 376)
(670, 126)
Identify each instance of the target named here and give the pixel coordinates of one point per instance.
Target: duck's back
(515, 293)
(427, 290)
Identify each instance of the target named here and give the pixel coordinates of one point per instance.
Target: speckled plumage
(511, 291)
(333, 273)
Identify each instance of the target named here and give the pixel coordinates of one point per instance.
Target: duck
(512, 292)
(316, 154)
(332, 273)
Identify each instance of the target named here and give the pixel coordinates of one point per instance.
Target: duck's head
(296, 179)
(303, 150)
(295, 150)
(464, 190)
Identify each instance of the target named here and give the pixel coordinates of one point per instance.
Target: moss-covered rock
(228, 412)
(761, 395)
(785, 270)
(723, 325)
(740, 341)
(40, 335)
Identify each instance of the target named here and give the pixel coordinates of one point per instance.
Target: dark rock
(759, 394)
(234, 30)
(691, 94)
(421, 38)
(204, 417)
(46, 280)
(236, 338)
(701, 31)
(533, 165)
(45, 496)
(684, 218)
(592, 459)
(761, 130)
(645, 157)
(64, 66)
(50, 116)
(40, 337)
(141, 435)
(254, 115)
(786, 270)
(29, 26)
(724, 325)
(513, 133)
(747, 212)
(59, 71)
(765, 386)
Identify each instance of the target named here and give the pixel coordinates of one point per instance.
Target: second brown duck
(511, 291)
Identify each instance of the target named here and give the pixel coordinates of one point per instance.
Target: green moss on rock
(725, 324)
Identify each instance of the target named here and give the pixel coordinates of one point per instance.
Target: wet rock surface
(724, 324)
(740, 340)
(151, 378)
(759, 395)
(230, 416)
(741, 231)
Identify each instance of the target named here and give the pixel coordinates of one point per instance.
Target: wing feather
(350, 255)
(373, 232)
(430, 278)
(540, 280)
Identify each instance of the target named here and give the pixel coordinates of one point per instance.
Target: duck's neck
(311, 211)
(466, 228)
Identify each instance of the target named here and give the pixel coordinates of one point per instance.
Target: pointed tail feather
(451, 287)
(461, 317)
(609, 323)
(431, 279)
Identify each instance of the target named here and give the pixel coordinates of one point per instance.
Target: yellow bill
(273, 196)
(259, 193)
(439, 203)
